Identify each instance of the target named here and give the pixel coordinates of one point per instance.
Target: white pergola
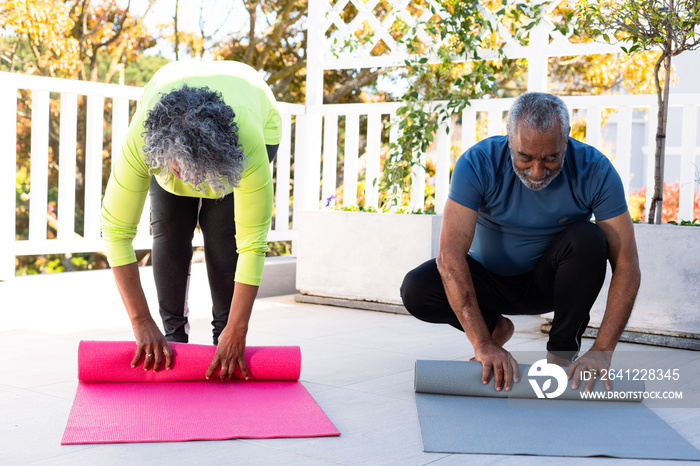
(543, 40)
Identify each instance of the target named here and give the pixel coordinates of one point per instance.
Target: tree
(69, 39)
(671, 26)
(275, 41)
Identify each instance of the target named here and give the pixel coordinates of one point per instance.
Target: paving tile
(65, 390)
(441, 343)
(35, 359)
(32, 426)
(399, 385)
(374, 430)
(213, 453)
(339, 365)
(358, 365)
(522, 460)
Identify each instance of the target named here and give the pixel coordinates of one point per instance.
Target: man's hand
(229, 353)
(494, 358)
(595, 362)
(151, 344)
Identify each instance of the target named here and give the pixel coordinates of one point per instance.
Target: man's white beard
(537, 185)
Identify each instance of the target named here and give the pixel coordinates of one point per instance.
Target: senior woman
(201, 141)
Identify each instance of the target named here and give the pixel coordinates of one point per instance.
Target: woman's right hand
(152, 346)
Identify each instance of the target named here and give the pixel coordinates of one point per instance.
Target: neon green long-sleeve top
(258, 122)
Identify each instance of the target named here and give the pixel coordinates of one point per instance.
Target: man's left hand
(229, 353)
(595, 362)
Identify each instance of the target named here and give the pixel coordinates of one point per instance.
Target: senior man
(200, 141)
(517, 239)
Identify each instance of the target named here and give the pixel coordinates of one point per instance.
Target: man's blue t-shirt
(516, 224)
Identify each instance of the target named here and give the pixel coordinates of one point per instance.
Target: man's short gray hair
(539, 111)
(192, 128)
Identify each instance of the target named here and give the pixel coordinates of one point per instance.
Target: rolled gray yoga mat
(459, 414)
(464, 379)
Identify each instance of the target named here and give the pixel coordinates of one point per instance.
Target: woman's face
(175, 169)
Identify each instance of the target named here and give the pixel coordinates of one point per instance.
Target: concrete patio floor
(358, 365)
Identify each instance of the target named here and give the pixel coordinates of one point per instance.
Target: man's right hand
(152, 346)
(495, 359)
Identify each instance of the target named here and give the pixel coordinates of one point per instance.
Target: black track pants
(173, 221)
(566, 280)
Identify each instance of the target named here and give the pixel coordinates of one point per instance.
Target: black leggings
(173, 220)
(566, 280)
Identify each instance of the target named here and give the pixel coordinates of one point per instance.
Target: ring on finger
(149, 355)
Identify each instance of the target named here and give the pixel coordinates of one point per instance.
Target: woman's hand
(151, 344)
(229, 353)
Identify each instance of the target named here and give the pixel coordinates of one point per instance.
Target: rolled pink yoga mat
(115, 403)
(110, 361)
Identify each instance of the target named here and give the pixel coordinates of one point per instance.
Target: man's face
(537, 157)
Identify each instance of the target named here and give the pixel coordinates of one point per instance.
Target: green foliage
(686, 223)
(648, 25)
(355, 208)
(669, 26)
(139, 72)
(437, 88)
(385, 210)
(279, 248)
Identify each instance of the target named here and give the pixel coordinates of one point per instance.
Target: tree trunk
(176, 37)
(656, 204)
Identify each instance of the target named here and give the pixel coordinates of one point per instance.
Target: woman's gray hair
(540, 112)
(192, 129)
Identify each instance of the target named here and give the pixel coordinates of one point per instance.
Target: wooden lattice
(359, 33)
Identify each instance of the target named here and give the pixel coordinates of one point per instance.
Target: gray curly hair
(192, 129)
(539, 111)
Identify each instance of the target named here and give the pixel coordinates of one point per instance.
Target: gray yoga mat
(458, 414)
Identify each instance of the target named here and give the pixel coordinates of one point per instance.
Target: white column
(314, 69)
(442, 166)
(8, 149)
(537, 58)
(93, 166)
(468, 129)
(593, 127)
(67, 166)
(687, 175)
(623, 151)
(120, 124)
(311, 123)
(374, 142)
(352, 139)
(307, 169)
(495, 122)
(651, 157)
(284, 156)
(39, 166)
(330, 157)
(418, 184)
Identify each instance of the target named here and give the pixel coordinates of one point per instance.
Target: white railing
(306, 167)
(95, 97)
(495, 111)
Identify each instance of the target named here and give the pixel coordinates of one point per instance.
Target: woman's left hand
(229, 353)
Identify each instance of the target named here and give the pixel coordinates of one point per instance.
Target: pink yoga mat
(115, 403)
